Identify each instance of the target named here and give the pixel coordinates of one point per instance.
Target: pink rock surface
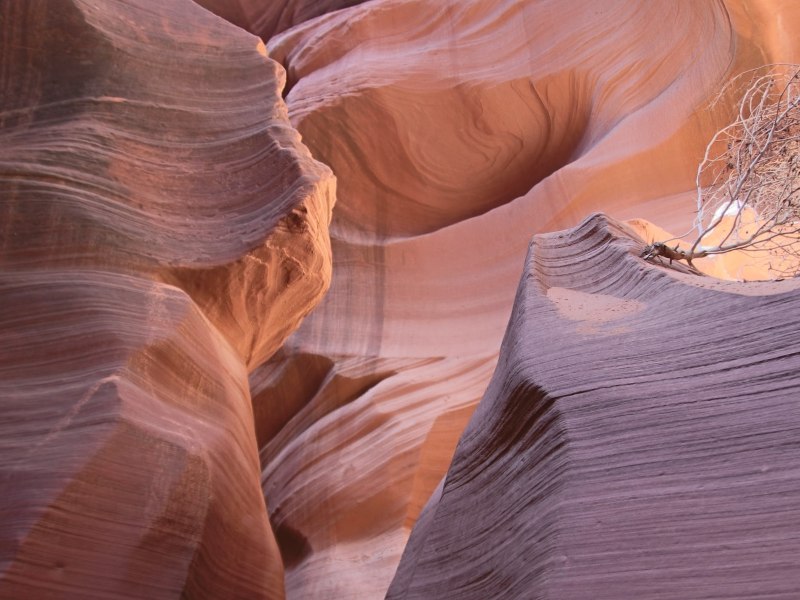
(154, 193)
(129, 462)
(266, 18)
(636, 440)
(456, 131)
(162, 228)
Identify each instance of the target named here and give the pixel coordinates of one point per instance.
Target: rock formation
(265, 18)
(162, 228)
(636, 440)
(456, 131)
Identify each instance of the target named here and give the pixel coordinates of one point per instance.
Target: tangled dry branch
(748, 183)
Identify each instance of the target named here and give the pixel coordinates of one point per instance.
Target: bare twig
(748, 183)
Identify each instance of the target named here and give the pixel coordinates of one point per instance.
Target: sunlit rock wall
(154, 194)
(457, 130)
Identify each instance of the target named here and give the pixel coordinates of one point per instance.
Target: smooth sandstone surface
(456, 131)
(266, 18)
(663, 467)
(162, 230)
(129, 459)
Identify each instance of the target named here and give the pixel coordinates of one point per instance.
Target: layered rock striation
(636, 439)
(456, 131)
(162, 230)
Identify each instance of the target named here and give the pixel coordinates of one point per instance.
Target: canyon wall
(457, 130)
(162, 228)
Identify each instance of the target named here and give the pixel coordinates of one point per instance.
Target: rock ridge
(646, 456)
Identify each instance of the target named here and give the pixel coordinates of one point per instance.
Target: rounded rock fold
(457, 130)
(162, 230)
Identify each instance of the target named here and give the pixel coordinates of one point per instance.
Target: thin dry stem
(748, 183)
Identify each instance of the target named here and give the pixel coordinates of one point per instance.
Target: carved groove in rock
(424, 110)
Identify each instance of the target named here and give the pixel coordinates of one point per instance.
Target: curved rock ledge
(457, 129)
(266, 18)
(146, 140)
(637, 439)
(162, 231)
(193, 176)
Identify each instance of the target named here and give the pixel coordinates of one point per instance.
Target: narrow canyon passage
(457, 131)
(258, 261)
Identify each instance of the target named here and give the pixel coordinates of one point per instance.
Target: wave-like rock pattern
(266, 18)
(457, 129)
(452, 109)
(130, 467)
(145, 155)
(115, 153)
(162, 230)
(636, 440)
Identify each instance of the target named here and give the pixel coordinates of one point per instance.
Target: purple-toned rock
(638, 439)
(266, 18)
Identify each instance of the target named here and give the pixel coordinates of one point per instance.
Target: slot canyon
(341, 299)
